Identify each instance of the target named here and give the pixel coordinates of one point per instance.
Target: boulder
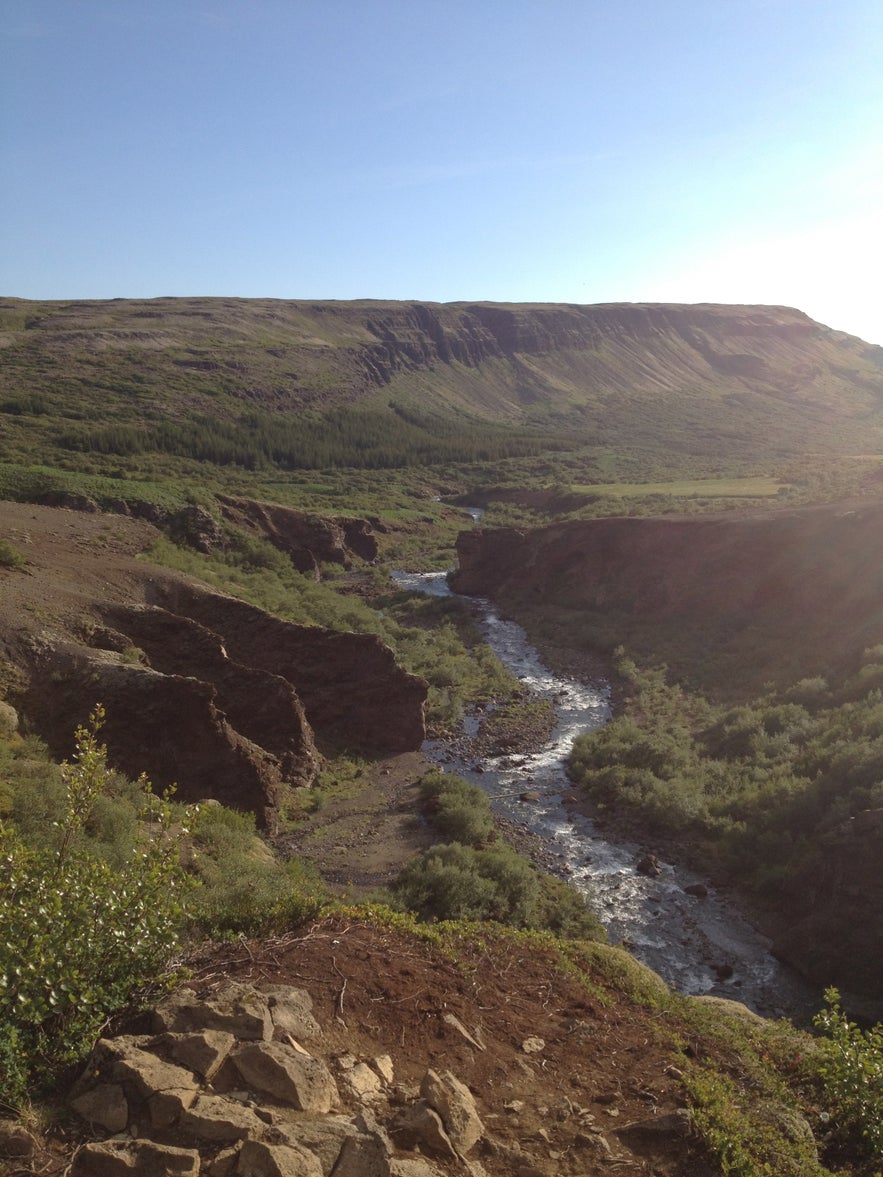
(215, 1118)
(104, 1105)
(277, 1070)
(143, 1158)
(236, 1009)
(203, 1052)
(453, 1101)
(292, 1012)
(418, 1126)
(258, 1159)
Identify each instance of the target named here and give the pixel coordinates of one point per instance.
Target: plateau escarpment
(175, 374)
(201, 690)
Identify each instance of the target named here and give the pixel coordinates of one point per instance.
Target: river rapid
(673, 921)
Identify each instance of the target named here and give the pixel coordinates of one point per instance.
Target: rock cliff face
(794, 592)
(201, 690)
(307, 540)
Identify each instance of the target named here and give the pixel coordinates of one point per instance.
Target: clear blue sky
(517, 150)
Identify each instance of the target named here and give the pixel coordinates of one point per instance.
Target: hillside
(201, 501)
(376, 383)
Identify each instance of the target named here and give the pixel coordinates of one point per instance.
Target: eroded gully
(675, 922)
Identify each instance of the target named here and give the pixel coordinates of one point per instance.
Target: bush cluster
(100, 882)
(79, 936)
(475, 876)
(757, 786)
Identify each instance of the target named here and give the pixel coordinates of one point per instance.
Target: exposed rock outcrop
(351, 687)
(222, 1088)
(201, 690)
(799, 589)
(308, 540)
(761, 374)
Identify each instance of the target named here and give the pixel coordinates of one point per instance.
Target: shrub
(10, 557)
(80, 937)
(245, 890)
(460, 811)
(851, 1068)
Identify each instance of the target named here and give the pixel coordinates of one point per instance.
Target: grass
(753, 488)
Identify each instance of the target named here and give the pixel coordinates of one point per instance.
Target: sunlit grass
(755, 488)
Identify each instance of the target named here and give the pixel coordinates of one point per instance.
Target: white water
(681, 936)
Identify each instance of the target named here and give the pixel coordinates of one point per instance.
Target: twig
(340, 994)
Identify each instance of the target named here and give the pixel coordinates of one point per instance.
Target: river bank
(669, 917)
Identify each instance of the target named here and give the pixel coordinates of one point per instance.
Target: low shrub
(80, 937)
(10, 556)
(458, 810)
(850, 1066)
(245, 889)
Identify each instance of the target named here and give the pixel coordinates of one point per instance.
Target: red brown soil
(379, 991)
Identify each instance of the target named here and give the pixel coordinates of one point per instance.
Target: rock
(367, 1153)
(678, 1124)
(420, 1126)
(202, 1052)
(292, 1012)
(15, 1140)
(361, 1083)
(724, 971)
(412, 1168)
(167, 1107)
(140, 1157)
(456, 1024)
(323, 1136)
(699, 890)
(258, 1159)
(529, 795)
(454, 1103)
(223, 1164)
(237, 1009)
(649, 865)
(533, 1045)
(382, 1064)
(593, 1142)
(123, 1060)
(275, 1069)
(104, 1105)
(213, 1117)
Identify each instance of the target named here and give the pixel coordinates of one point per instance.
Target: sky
(575, 151)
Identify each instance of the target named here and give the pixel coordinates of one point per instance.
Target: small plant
(10, 556)
(851, 1068)
(80, 937)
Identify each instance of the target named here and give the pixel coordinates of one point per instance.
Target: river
(698, 942)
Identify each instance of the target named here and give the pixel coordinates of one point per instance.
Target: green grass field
(718, 488)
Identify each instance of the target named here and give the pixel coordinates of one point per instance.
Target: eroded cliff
(780, 594)
(201, 690)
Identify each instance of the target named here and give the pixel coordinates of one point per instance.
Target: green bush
(80, 937)
(245, 889)
(850, 1065)
(455, 882)
(460, 811)
(10, 556)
